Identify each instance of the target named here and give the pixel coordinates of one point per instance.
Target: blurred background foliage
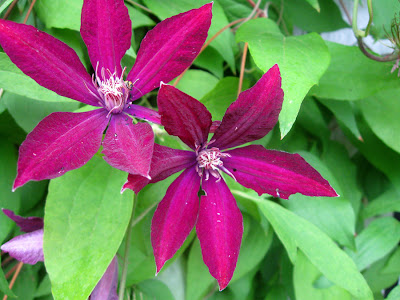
(341, 113)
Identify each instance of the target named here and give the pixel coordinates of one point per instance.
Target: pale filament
(209, 162)
(112, 90)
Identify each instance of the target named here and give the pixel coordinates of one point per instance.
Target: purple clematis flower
(217, 218)
(28, 248)
(65, 141)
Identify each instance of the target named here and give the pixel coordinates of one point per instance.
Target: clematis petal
(219, 229)
(253, 114)
(183, 116)
(129, 147)
(175, 216)
(143, 113)
(277, 173)
(27, 247)
(165, 162)
(28, 224)
(169, 48)
(48, 61)
(106, 30)
(61, 142)
(106, 288)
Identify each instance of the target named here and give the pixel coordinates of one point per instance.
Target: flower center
(209, 162)
(113, 90)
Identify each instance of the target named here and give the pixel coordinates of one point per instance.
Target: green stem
(371, 15)
(127, 245)
(357, 32)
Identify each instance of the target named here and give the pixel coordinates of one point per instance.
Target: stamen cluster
(209, 161)
(112, 89)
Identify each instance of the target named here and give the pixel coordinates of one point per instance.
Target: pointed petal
(61, 142)
(277, 173)
(106, 288)
(27, 247)
(169, 48)
(219, 229)
(28, 224)
(143, 113)
(175, 216)
(129, 147)
(165, 162)
(106, 30)
(253, 114)
(183, 116)
(48, 61)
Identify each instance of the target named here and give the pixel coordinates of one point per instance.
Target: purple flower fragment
(217, 218)
(65, 141)
(28, 248)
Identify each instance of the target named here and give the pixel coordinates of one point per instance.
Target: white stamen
(209, 162)
(111, 88)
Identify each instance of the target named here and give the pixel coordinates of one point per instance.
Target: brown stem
(389, 57)
(29, 11)
(12, 270)
(242, 68)
(208, 43)
(6, 261)
(140, 6)
(19, 267)
(262, 13)
(346, 11)
(10, 8)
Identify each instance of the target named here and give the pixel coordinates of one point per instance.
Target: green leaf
(4, 283)
(384, 12)
(236, 9)
(198, 279)
(305, 274)
(13, 80)
(218, 100)
(212, 61)
(197, 83)
(336, 158)
(10, 200)
(393, 263)
(382, 112)
(377, 153)
(377, 240)
(223, 43)
(334, 216)
(152, 289)
(344, 112)
(44, 287)
(28, 112)
(314, 4)
(353, 76)
(5, 5)
(322, 252)
(307, 17)
(302, 61)
(85, 222)
(138, 18)
(25, 285)
(394, 294)
(378, 276)
(386, 203)
(255, 245)
(60, 13)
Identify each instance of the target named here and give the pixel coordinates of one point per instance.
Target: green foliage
(340, 112)
(302, 60)
(79, 220)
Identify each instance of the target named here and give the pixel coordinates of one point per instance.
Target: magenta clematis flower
(65, 141)
(28, 248)
(217, 218)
